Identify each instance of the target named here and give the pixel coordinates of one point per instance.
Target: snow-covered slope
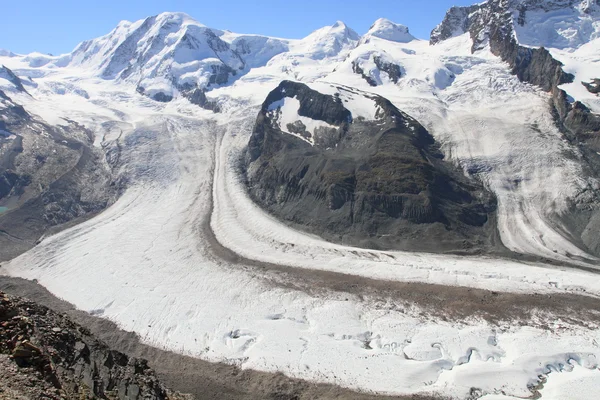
(568, 29)
(572, 35)
(188, 261)
(388, 30)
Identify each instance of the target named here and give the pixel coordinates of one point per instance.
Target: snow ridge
(388, 30)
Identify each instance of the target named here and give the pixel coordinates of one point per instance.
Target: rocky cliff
(379, 183)
(493, 23)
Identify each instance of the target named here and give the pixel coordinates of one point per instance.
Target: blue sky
(58, 26)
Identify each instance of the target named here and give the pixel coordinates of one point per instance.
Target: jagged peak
(385, 29)
(544, 23)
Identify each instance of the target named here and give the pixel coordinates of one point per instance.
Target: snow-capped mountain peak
(329, 41)
(180, 18)
(171, 52)
(340, 27)
(388, 30)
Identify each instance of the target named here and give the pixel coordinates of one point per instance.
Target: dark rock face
(53, 358)
(394, 71)
(378, 184)
(593, 86)
(49, 175)
(161, 97)
(357, 69)
(220, 74)
(198, 97)
(455, 22)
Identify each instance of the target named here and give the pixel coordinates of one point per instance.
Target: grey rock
(380, 184)
(73, 363)
(12, 78)
(593, 86)
(394, 71)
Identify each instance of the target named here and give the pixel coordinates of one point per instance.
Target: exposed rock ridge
(12, 78)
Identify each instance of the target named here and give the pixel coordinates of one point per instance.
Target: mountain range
(166, 140)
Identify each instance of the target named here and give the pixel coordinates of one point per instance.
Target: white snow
(327, 41)
(572, 35)
(146, 262)
(583, 63)
(577, 384)
(285, 112)
(388, 30)
(561, 28)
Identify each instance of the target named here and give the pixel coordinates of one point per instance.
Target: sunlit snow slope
(159, 261)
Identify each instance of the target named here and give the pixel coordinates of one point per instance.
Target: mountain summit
(388, 30)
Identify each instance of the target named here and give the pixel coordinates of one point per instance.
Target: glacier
(185, 259)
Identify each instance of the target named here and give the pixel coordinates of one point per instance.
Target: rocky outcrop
(198, 97)
(394, 71)
(378, 184)
(357, 69)
(455, 23)
(46, 355)
(374, 66)
(593, 86)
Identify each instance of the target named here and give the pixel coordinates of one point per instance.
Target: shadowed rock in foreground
(46, 355)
